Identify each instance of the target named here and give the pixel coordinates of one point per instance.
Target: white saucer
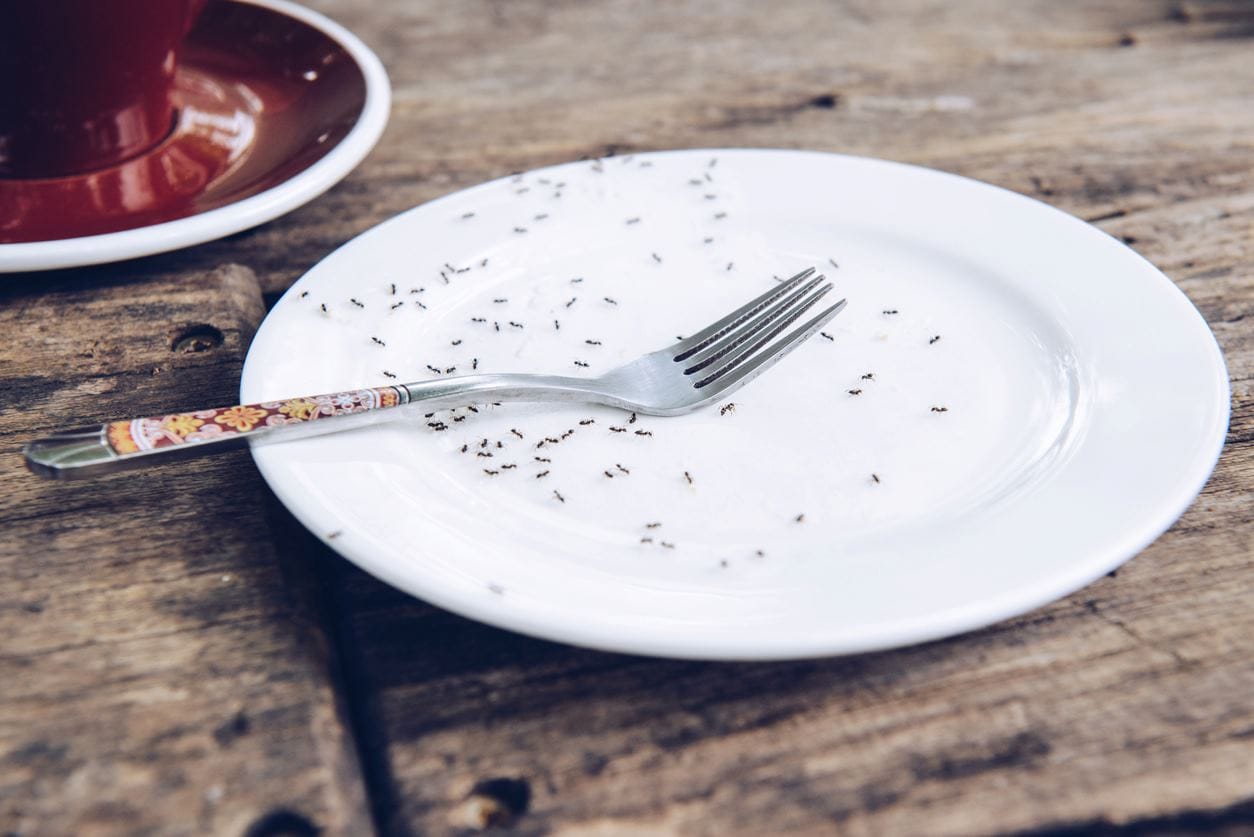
(1043, 404)
(240, 55)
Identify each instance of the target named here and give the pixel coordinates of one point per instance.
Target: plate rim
(271, 203)
(936, 625)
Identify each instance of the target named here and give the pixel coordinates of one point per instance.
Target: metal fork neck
(476, 389)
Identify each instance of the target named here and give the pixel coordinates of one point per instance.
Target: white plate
(1085, 405)
(244, 214)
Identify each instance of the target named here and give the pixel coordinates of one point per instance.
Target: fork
(680, 378)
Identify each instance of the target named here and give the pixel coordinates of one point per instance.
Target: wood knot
(196, 338)
(282, 822)
(237, 727)
(495, 803)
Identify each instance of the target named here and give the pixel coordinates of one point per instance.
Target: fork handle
(104, 448)
(88, 451)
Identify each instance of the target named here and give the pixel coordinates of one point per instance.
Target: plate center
(937, 392)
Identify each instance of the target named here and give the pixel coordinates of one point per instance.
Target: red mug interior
(86, 84)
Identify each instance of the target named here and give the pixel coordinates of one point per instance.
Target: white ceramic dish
(242, 214)
(1084, 405)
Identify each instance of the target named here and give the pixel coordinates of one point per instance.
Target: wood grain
(1124, 708)
(159, 673)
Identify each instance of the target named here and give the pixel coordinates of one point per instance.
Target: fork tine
(715, 330)
(746, 352)
(751, 363)
(740, 335)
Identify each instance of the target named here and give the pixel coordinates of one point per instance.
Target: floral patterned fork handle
(90, 451)
(104, 448)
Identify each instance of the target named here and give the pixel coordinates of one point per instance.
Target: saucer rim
(243, 214)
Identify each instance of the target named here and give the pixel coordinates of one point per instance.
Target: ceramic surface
(1012, 404)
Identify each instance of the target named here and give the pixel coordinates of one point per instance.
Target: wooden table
(180, 657)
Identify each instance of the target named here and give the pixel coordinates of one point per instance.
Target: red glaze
(86, 84)
(259, 97)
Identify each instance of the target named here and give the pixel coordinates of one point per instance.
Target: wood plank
(160, 671)
(1125, 706)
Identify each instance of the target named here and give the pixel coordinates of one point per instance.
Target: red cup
(86, 84)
